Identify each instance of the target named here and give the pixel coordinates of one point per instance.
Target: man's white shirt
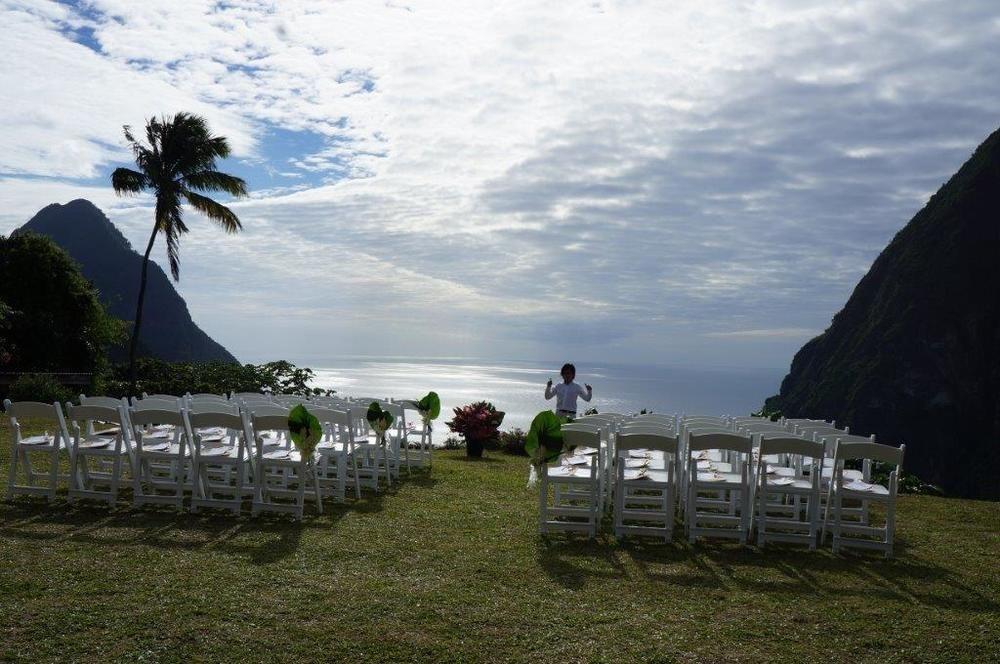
(566, 395)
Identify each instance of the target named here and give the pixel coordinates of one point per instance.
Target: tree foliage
(160, 377)
(50, 316)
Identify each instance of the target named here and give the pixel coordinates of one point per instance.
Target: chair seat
(164, 450)
(95, 443)
(650, 476)
(39, 442)
(331, 446)
(564, 471)
(716, 477)
(220, 453)
(780, 471)
(786, 481)
(850, 474)
(862, 489)
(715, 466)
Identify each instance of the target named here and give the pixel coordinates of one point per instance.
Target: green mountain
(914, 356)
(107, 259)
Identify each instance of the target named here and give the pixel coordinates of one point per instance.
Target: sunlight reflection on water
(517, 387)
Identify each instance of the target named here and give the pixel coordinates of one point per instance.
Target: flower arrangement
(478, 423)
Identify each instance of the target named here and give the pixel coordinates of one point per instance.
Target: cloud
(624, 180)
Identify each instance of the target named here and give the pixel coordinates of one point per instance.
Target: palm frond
(216, 181)
(127, 182)
(215, 211)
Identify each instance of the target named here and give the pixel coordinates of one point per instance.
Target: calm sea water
(517, 388)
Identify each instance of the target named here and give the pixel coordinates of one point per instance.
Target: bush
(512, 442)
(478, 421)
(38, 387)
(453, 443)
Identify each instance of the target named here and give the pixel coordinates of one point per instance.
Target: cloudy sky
(691, 182)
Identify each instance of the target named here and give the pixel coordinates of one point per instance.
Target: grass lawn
(449, 567)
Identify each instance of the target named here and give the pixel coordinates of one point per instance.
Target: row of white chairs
(724, 476)
(215, 452)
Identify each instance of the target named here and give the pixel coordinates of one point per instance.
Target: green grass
(449, 567)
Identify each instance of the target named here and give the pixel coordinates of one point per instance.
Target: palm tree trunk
(134, 342)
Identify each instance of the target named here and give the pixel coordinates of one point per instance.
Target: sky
(699, 182)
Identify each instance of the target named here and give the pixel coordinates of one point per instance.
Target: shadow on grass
(574, 562)
(262, 539)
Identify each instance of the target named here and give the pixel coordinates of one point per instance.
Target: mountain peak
(87, 222)
(107, 259)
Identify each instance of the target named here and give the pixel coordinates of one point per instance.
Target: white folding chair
(111, 450)
(862, 534)
(575, 482)
(221, 459)
(416, 453)
(161, 457)
(337, 461)
(48, 446)
(728, 516)
(784, 493)
(645, 484)
(282, 472)
(372, 456)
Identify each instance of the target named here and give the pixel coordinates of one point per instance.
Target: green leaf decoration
(379, 419)
(304, 429)
(544, 442)
(430, 406)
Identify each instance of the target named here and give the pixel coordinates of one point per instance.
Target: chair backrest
(107, 402)
(91, 413)
(576, 436)
(166, 397)
(267, 410)
(214, 407)
(141, 417)
(269, 422)
(207, 395)
(775, 443)
(720, 440)
(331, 416)
(762, 427)
(646, 427)
(207, 419)
(601, 429)
(659, 417)
(33, 409)
(155, 404)
(870, 450)
(651, 441)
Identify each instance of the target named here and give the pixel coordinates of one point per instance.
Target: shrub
(512, 442)
(478, 421)
(453, 443)
(38, 387)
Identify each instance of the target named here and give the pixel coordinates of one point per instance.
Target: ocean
(517, 387)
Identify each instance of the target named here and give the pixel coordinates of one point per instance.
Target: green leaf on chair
(304, 429)
(430, 406)
(379, 419)
(544, 441)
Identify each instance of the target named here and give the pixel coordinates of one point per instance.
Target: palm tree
(177, 161)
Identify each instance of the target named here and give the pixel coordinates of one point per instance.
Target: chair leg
(12, 472)
(53, 473)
